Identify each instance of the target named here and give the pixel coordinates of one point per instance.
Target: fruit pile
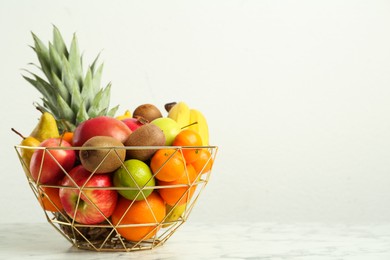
(124, 177)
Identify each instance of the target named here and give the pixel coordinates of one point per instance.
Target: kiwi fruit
(147, 111)
(146, 135)
(92, 159)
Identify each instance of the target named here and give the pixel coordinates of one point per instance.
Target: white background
(297, 94)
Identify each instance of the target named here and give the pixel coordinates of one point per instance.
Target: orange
(188, 137)
(167, 164)
(182, 194)
(150, 211)
(67, 136)
(204, 163)
(50, 199)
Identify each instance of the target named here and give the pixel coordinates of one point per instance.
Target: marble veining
(233, 241)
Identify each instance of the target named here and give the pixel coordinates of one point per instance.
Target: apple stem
(18, 133)
(62, 137)
(142, 120)
(194, 123)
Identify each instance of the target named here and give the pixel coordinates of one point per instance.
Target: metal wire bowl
(105, 236)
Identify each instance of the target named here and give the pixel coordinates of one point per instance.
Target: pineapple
(67, 93)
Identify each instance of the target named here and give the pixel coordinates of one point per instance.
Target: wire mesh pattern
(105, 235)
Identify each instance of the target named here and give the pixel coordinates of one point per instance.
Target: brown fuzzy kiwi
(147, 111)
(113, 158)
(146, 135)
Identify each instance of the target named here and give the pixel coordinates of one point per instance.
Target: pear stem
(37, 107)
(18, 133)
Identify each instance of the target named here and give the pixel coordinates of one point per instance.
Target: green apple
(169, 127)
(137, 177)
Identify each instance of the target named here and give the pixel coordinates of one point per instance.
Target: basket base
(106, 239)
(116, 245)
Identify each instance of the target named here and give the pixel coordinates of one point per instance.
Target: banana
(201, 126)
(127, 114)
(185, 116)
(180, 112)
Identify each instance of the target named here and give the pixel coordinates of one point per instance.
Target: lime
(136, 177)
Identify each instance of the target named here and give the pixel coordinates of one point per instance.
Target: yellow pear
(46, 128)
(26, 153)
(174, 213)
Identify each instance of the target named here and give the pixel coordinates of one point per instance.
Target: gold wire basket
(105, 236)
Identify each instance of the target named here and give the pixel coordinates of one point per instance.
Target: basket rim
(114, 147)
(155, 187)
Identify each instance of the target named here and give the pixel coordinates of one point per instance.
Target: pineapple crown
(67, 93)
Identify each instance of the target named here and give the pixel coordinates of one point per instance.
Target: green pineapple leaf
(67, 76)
(87, 93)
(47, 106)
(59, 43)
(93, 110)
(43, 84)
(60, 87)
(113, 111)
(82, 114)
(76, 100)
(104, 101)
(39, 87)
(100, 103)
(64, 110)
(43, 56)
(97, 77)
(94, 63)
(75, 60)
(55, 61)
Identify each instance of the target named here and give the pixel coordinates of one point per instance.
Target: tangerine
(182, 193)
(50, 199)
(204, 163)
(67, 136)
(167, 164)
(188, 137)
(128, 214)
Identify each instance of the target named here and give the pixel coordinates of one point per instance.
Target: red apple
(100, 126)
(134, 123)
(47, 166)
(92, 204)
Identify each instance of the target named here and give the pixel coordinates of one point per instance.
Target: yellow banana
(180, 112)
(127, 114)
(201, 127)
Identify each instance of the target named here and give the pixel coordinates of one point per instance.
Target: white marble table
(222, 241)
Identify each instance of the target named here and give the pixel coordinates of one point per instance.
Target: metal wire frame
(105, 236)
